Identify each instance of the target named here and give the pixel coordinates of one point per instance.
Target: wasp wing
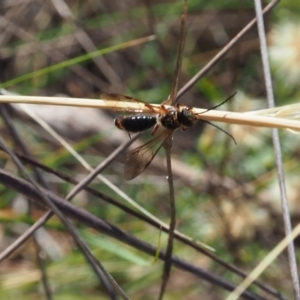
(140, 158)
(126, 103)
(119, 97)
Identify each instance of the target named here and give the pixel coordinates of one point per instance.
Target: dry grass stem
(282, 117)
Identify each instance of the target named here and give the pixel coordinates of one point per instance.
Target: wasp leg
(155, 129)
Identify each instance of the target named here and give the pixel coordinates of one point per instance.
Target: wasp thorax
(169, 120)
(186, 117)
(175, 119)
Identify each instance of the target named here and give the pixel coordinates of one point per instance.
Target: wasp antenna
(216, 126)
(220, 104)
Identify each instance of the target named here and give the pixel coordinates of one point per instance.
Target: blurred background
(227, 196)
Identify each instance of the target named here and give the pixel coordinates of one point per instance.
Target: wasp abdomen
(135, 123)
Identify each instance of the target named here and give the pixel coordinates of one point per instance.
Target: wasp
(171, 117)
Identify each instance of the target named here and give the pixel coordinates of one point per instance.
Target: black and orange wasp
(171, 117)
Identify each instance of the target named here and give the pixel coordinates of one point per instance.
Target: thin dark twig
(101, 167)
(222, 53)
(88, 219)
(38, 175)
(79, 186)
(41, 264)
(168, 145)
(9, 124)
(172, 225)
(93, 261)
(277, 148)
(140, 216)
(172, 98)
(75, 190)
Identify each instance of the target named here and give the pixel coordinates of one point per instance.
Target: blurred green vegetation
(231, 199)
